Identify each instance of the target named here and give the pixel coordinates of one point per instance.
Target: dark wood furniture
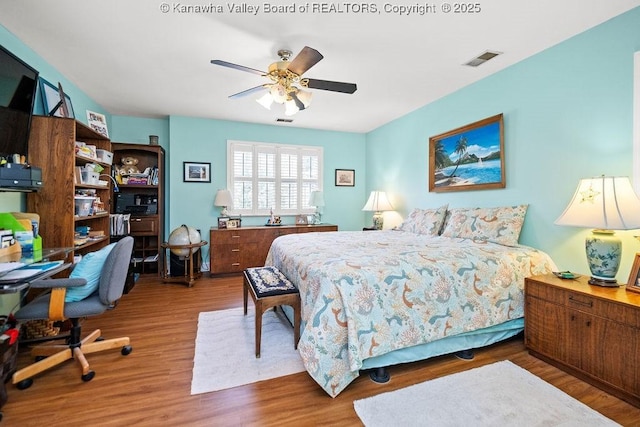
(147, 213)
(234, 249)
(52, 148)
(264, 297)
(589, 331)
(189, 275)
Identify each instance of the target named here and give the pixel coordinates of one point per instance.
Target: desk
(189, 275)
(8, 286)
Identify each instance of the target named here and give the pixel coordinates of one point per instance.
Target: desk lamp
(605, 204)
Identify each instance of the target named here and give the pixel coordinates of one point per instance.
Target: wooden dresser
(232, 250)
(589, 331)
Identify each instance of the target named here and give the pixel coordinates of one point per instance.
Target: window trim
(277, 148)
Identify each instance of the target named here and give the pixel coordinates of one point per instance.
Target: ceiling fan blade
(332, 86)
(237, 67)
(307, 58)
(247, 92)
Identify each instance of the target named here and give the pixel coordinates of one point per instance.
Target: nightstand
(591, 332)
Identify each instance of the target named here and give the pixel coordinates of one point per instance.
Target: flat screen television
(18, 82)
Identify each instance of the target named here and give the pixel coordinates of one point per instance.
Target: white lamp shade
(604, 202)
(290, 108)
(378, 202)
(305, 97)
(266, 100)
(316, 199)
(223, 198)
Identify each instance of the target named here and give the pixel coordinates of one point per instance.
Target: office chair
(52, 306)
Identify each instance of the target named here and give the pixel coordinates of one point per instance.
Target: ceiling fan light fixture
(279, 93)
(265, 100)
(290, 108)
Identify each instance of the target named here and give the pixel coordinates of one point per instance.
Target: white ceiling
(135, 60)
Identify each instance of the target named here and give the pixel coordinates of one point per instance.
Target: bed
(445, 280)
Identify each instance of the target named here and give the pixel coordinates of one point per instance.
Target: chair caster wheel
(126, 350)
(88, 376)
(24, 384)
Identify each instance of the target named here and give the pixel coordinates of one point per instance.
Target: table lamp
(378, 202)
(605, 204)
(317, 200)
(223, 198)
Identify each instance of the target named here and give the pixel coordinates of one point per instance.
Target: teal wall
(567, 114)
(205, 140)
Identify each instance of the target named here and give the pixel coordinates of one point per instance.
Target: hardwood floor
(151, 386)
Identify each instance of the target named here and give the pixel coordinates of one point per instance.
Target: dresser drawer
(545, 292)
(225, 259)
(234, 236)
(603, 308)
(143, 225)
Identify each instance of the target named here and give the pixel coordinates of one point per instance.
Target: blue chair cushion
(89, 268)
(269, 281)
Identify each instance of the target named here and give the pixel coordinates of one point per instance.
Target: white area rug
(225, 350)
(500, 394)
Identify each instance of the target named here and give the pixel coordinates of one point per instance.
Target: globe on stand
(184, 235)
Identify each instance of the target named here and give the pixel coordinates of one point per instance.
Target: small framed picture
(51, 98)
(302, 220)
(222, 222)
(633, 284)
(196, 172)
(345, 177)
(234, 223)
(98, 122)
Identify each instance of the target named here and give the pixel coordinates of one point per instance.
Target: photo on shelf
(98, 122)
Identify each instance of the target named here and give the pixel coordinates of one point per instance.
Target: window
(264, 177)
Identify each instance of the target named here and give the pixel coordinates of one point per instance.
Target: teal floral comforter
(365, 294)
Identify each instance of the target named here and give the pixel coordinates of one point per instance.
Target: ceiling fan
(287, 84)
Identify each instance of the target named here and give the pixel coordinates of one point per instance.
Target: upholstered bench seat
(270, 288)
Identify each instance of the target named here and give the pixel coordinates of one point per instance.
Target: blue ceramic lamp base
(604, 250)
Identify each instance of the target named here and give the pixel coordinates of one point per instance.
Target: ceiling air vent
(284, 120)
(481, 59)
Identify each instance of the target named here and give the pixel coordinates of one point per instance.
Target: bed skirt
(449, 345)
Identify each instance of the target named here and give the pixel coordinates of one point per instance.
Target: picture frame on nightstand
(222, 222)
(633, 284)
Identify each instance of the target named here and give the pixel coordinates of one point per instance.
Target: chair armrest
(58, 283)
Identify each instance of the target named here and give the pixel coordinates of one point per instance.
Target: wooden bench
(270, 288)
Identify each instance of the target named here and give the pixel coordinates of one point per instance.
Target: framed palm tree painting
(470, 157)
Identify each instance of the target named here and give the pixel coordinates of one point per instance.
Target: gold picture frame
(633, 284)
(470, 157)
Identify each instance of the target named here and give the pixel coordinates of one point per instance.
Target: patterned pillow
(499, 225)
(425, 221)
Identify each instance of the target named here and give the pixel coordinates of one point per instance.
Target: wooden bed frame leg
(379, 375)
(465, 354)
